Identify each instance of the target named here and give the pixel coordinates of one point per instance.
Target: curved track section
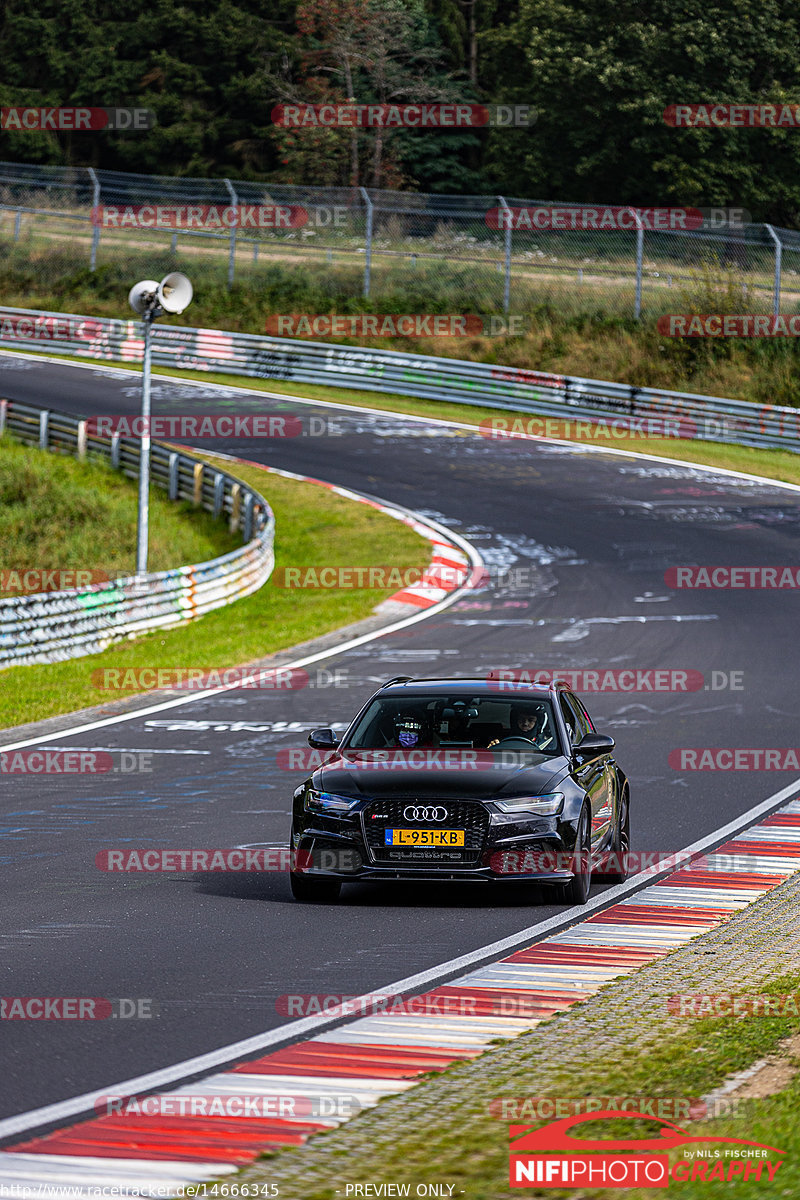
(578, 542)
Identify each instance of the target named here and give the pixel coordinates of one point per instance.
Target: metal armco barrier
(52, 626)
(709, 418)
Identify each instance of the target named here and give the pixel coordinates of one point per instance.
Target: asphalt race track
(595, 531)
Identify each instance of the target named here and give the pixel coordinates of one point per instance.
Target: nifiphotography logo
(555, 1157)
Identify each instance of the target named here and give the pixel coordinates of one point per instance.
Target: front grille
(469, 815)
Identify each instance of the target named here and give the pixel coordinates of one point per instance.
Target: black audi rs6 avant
(462, 779)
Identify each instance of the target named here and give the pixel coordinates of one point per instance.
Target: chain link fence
(491, 254)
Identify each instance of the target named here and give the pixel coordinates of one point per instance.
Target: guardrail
(709, 418)
(53, 626)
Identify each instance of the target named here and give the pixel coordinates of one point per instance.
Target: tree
(364, 52)
(601, 75)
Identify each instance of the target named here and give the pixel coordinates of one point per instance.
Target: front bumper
(497, 848)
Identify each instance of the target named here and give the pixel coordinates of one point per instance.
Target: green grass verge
(313, 525)
(38, 698)
(581, 331)
(468, 1147)
(58, 512)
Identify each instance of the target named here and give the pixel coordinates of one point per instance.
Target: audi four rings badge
(426, 813)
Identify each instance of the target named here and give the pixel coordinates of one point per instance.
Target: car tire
(622, 840)
(310, 889)
(577, 890)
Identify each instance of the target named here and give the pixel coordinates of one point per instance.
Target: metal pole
(776, 289)
(144, 453)
(368, 250)
(507, 279)
(95, 216)
(232, 251)
(637, 305)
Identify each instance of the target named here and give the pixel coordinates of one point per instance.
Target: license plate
(424, 837)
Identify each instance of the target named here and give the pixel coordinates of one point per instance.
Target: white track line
(79, 1105)
(225, 1055)
(396, 510)
(447, 423)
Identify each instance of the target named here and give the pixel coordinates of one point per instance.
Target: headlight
(325, 802)
(544, 806)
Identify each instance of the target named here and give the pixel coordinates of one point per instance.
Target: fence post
(368, 250)
(17, 223)
(232, 252)
(219, 492)
(236, 506)
(637, 304)
(197, 484)
(508, 216)
(95, 217)
(776, 290)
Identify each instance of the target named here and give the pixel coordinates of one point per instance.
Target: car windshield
(460, 721)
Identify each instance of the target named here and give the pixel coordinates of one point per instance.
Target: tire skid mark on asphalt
(371, 1057)
(185, 1150)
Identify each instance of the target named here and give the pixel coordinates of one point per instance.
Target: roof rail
(398, 679)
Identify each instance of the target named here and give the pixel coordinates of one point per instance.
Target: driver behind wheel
(411, 730)
(528, 721)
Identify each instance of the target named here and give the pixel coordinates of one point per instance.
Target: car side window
(574, 717)
(580, 709)
(570, 720)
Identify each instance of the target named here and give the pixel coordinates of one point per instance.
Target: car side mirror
(323, 739)
(592, 745)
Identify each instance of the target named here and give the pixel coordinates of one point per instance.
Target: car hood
(356, 774)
